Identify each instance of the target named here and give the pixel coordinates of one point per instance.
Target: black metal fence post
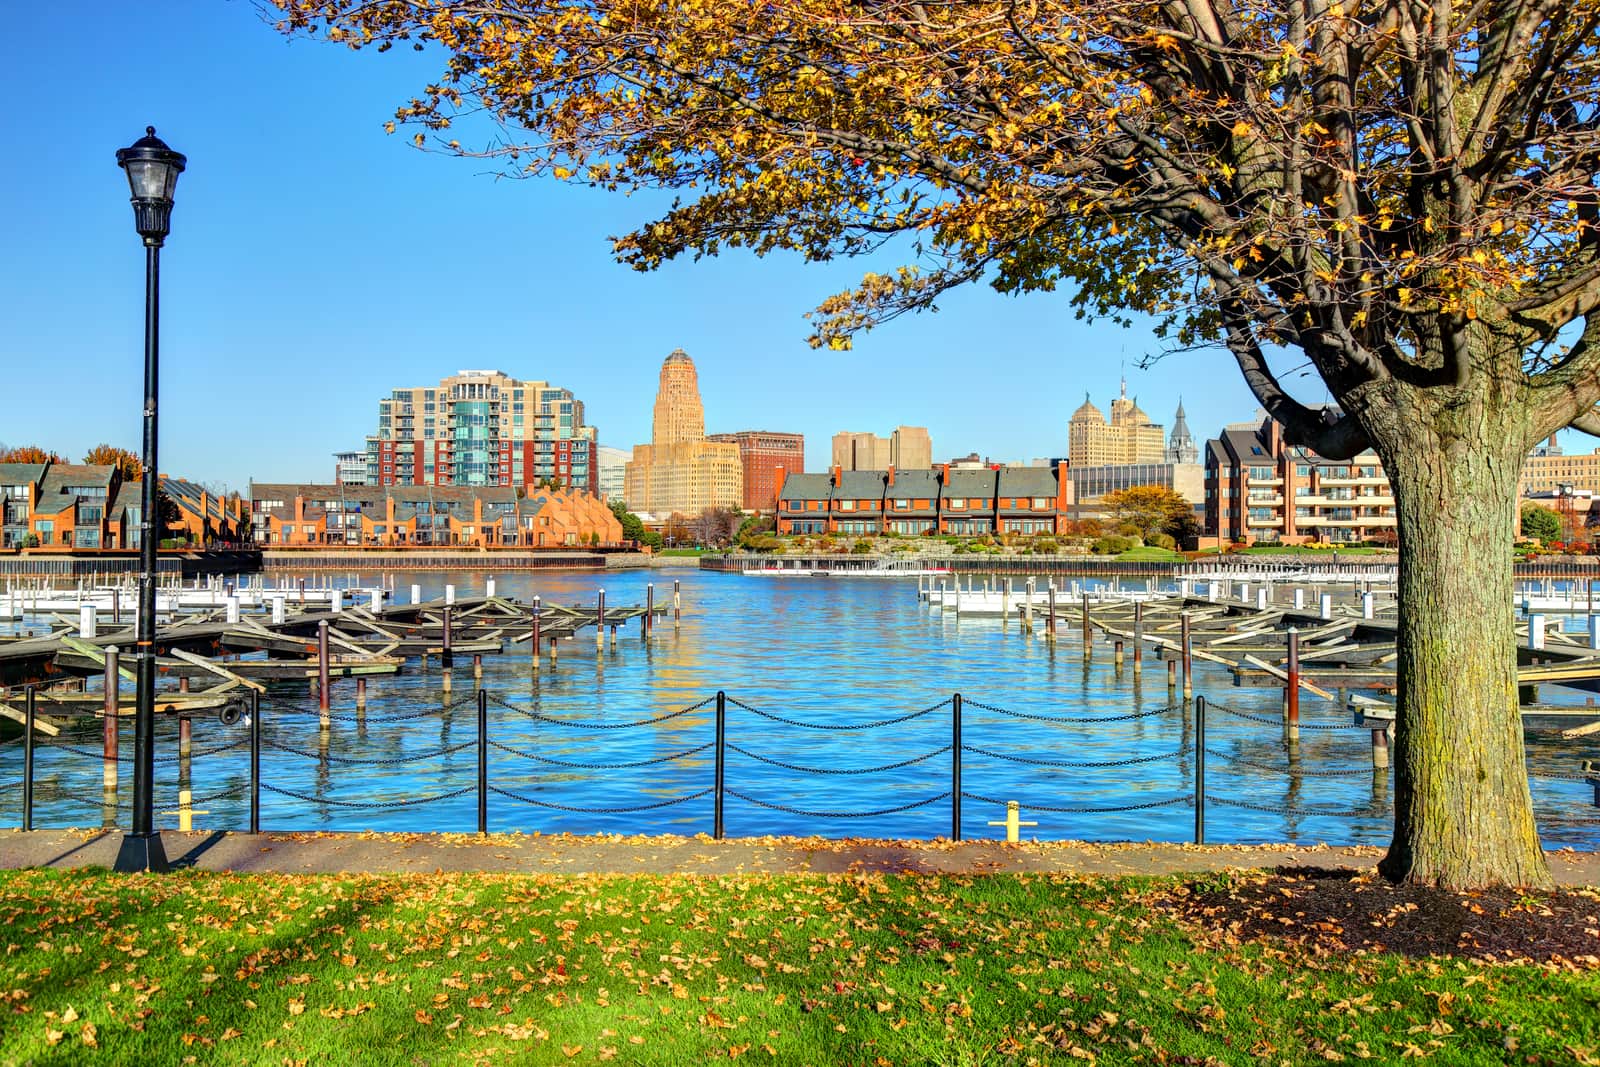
(27, 760)
(955, 767)
(447, 657)
(483, 761)
(255, 762)
(722, 735)
(1199, 770)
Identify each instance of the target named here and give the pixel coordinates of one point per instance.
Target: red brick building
(764, 456)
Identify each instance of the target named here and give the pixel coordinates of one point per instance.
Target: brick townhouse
(994, 499)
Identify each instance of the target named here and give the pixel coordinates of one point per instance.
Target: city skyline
(285, 316)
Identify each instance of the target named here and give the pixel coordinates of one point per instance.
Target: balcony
(1274, 500)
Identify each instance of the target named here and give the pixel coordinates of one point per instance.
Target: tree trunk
(1463, 812)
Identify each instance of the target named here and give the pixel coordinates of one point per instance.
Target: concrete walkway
(314, 853)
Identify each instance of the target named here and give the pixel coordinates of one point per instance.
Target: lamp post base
(142, 852)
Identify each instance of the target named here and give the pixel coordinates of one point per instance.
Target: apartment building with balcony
(480, 428)
(1260, 489)
(939, 500)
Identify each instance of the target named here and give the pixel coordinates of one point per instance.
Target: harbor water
(1089, 752)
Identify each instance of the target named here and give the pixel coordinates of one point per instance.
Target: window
(957, 502)
(796, 505)
(1040, 502)
(847, 505)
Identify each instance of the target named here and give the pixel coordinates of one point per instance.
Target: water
(818, 651)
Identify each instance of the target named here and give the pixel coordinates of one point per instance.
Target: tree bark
(1463, 811)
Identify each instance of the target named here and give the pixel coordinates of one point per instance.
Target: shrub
(1089, 528)
(862, 547)
(763, 543)
(1111, 545)
(30, 540)
(1046, 546)
(1162, 540)
(1128, 529)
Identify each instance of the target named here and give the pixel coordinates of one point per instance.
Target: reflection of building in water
(679, 470)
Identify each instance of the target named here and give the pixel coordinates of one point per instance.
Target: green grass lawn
(682, 552)
(1148, 553)
(869, 969)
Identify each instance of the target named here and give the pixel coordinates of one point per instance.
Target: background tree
(1403, 193)
(675, 531)
(121, 458)
(1150, 509)
(633, 528)
(29, 454)
(1541, 523)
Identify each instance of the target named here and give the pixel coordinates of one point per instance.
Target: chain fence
(511, 772)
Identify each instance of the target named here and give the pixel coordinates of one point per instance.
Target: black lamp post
(153, 171)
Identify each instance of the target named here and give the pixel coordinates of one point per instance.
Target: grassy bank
(794, 969)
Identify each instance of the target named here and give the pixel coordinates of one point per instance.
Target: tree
(676, 529)
(29, 454)
(716, 526)
(1403, 194)
(1541, 523)
(121, 458)
(1150, 509)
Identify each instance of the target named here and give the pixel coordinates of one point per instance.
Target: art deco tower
(679, 470)
(680, 417)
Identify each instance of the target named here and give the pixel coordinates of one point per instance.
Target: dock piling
(1050, 620)
(449, 594)
(87, 628)
(649, 621)
(322, 671)
(1117, 650)
(600, 622)
(533, 637)
(1380, 748)
(1325, 605)
(416, 594)
(1138, 638)
(447, 658)
(1291, 691)
(361, 693)
(677, 604)
(1088, 640)
(1188, 657)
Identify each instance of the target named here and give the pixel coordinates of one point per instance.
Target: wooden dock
(230, 653)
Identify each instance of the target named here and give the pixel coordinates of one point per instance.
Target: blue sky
(317, 262)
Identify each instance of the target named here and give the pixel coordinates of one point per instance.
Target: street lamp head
(153, 171)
